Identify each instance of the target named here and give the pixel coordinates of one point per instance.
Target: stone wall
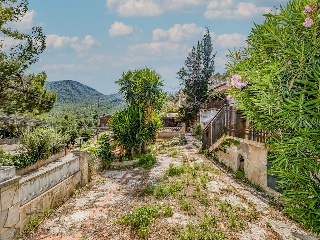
(249, 156)
(49, 199)
(9, 206)
(39, 191)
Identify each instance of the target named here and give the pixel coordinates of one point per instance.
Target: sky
(95, 41)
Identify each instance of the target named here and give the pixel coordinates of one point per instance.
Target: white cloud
(158, 48)
(85, 44)
(228, 10)
(119, 29)
(231, 40)
(65, 67)
(178, 32)
(56, 41)
(131, 8)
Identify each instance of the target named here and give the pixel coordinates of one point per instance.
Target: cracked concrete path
(91, 212)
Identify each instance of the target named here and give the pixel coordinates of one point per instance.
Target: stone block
(13, 216)
(3, 217)
(7, 173)
(8, 234)
(36, 205)
(7, 198)
(16, 198)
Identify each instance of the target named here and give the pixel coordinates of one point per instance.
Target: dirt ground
(206, 203)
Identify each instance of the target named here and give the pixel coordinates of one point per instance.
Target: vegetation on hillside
(79, 106)
(276, 81)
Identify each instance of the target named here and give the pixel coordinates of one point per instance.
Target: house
(236, 143)
(104, 123)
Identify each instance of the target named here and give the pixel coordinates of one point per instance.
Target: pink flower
(236, 78)
(236, 82)
(308, 22)
(307, 9)
(229, 97)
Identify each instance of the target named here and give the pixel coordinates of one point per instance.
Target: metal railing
(231, 122)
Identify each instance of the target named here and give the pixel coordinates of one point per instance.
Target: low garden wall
(170, 132)
(40, 190)
(246, 155)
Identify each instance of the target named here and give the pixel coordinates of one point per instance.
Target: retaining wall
(40, 190)
(249, 156)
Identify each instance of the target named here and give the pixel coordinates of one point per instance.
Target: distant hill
(70, 91)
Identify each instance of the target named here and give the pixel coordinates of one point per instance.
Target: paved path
(91, 212)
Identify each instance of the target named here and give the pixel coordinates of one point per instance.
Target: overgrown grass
(35, 221)
(141, 218)
(208, 228)
(147, 161)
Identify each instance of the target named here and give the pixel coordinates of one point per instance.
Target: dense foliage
(131, 130)
(137, 125)
(21, 92)
(36, 145)
(195, 76)
(277, 84)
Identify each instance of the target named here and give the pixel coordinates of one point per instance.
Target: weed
(187, 206)
(141, 218)
(147, 161)
(148, 190)
(174, 153)
(206, 229)
(163, 190)
(174, 171)
(35, 221)
(168, 212)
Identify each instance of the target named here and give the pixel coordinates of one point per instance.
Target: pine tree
(195, 76)
(21, 92)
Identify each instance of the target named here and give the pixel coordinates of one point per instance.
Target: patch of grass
(149, 189)
(206, 229)
(187, 206)
(168, 212)
(174, 171)
(35, 221)
(146, 161)
(174, 153)
(164, 190)
(141, 218)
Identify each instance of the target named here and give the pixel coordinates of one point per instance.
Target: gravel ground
(206, 190)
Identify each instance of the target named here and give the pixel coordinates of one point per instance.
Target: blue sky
(95, 41)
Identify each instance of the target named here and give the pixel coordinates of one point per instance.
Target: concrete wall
(38, 191)
(249, 155)
(170, 132)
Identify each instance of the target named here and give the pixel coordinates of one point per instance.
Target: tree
(21, 92)
(136, 125)
(142, 87)
(195, 76)
(276, 81)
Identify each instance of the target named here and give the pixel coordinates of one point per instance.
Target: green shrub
(42, 142)
(146, 160)
(197, 131)
(141, 218)
(105, 148)
(276, 85)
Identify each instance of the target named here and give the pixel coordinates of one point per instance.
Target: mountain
(70, 91)
(80, 103)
